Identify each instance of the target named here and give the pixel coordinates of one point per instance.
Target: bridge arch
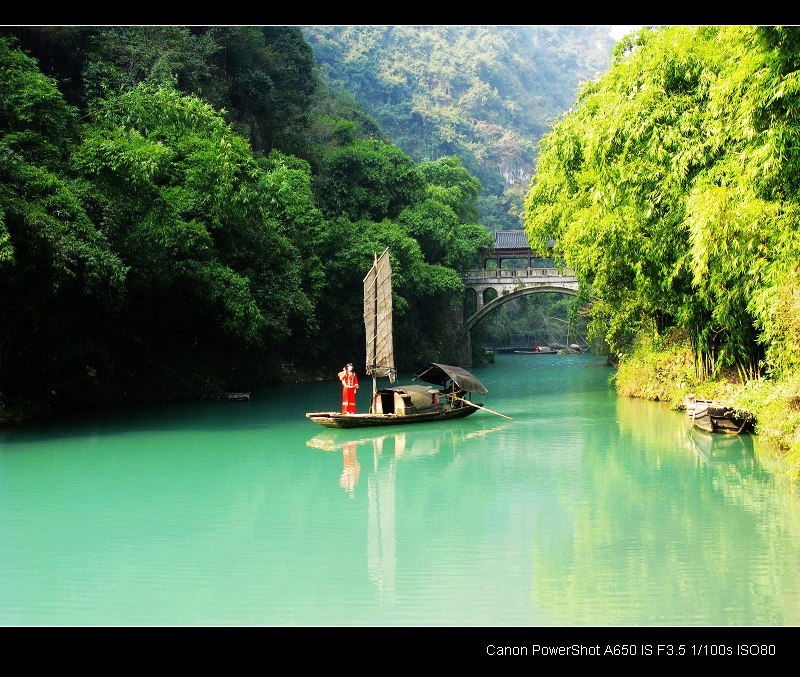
(476, 317)
(508, 282)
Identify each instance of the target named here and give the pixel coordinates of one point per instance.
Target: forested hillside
(485, 94)
(185, 211)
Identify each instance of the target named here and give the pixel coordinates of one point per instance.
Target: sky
(619, 32)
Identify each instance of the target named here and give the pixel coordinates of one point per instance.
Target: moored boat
(716, 417)
(691, 403)
(236, 397)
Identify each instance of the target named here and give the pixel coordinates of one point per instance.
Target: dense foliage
(184, 211)
(485, 94)
(668, 193)
(672, 191)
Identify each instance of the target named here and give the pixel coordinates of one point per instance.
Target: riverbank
(112, 386)
(664, 371)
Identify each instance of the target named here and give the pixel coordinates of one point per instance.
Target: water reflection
(727, 487)
(387, 447)
(716, 449)
(388, 450)
(585, 509)
(352, 468)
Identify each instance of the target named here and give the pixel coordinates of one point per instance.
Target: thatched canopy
(440, 374)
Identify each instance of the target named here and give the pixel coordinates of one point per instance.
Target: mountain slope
(483, 93)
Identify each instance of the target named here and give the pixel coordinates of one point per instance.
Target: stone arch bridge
(539, 276)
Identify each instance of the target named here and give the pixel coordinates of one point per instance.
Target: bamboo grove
(671, 189)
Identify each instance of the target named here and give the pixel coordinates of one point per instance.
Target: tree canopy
(671, 190)
(155, 243)
(484, 94)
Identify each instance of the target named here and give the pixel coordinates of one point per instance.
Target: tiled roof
(511, 239)
(515, 239)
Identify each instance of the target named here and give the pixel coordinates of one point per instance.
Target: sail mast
(375, 333)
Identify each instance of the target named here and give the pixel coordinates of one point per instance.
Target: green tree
(671, 191)
(196, 218)
(369, 179)
(482, 93)
(264, 78)
(450, 183)
(271, 79)
(120, 57)
(612, 180)
(58, 275)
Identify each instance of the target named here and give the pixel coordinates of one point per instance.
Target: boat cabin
(418, 398)
(404, 400)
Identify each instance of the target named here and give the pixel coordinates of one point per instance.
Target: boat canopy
(440, 374)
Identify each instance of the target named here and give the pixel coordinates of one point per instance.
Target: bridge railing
(513, 273)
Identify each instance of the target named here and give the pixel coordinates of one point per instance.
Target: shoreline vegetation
(671, 190)
(97, 391)
(663, 370)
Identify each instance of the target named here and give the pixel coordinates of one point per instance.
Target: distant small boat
(539, 350)
(236, 397)
(715, 417)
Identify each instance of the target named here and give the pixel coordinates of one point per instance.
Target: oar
(478, 406)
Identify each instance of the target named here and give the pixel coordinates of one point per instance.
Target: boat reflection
(389, 451)
(722, 449)
(389, 446)
(653, 423)
(352, 468)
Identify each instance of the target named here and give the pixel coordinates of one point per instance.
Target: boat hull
(333, 419)
(718, 419)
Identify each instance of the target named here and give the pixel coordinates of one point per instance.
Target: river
(582, 509)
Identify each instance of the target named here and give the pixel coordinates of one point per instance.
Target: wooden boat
(692, 403)
(236, 397)
(413, 403)
(540, 350)
(715, 417)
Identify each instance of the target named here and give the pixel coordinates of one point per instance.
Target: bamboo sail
(378, 320)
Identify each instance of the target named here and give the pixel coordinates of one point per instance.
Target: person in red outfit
(349, 386)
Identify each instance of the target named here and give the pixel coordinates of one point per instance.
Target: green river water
(583, 509)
